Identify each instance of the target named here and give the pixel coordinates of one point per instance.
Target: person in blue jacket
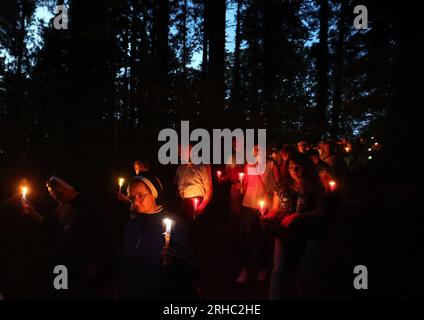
(149, 270)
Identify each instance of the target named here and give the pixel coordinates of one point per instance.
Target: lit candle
(168, 223)
(332, 185)
(24, 190)
(376, 144)
(347, 149)
(369, 149)
(195, 203)
(372, 138)
(262, 207)
(370, 158)
(121, 183)
(241, 177)
(219, 173)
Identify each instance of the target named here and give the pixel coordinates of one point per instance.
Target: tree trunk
(322, 68)
(205, 44)
(216, 68)
(338, 71)
(185, 49)
(21, 50)
(235, 92)
(162, 55)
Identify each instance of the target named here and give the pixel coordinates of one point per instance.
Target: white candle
(168, 224)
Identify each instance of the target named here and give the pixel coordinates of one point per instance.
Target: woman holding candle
(254, 239)
(297, 211)
(147, 244)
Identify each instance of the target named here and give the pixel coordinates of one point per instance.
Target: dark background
(90, 99)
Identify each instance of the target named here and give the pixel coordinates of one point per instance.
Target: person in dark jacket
(148, 269)
(77, 238)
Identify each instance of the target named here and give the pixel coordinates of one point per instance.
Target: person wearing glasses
(147, 269)
(76, 237)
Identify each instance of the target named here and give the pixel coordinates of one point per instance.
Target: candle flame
(332, 184)
(24, 191)
(262, 204)
(121, 181)
(376, 144)
(241, 175)
(369, 149)
(347, 149)
(219, 173)
(195, 202)
(168, 224)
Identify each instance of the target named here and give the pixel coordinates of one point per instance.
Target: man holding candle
(193, 182)
(157, 257)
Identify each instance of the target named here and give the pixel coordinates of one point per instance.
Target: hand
(167, 256)
(200, 208)
(270, 215)
(287, 221)
(27, 206)
(122, 197)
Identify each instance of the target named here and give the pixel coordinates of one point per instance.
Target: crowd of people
(280, 215)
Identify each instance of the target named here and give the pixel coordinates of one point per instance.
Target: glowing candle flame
(376, 144)
(347, 149)
(121, 182)
(332, 185)
(24, 192)
(262, 207)
(241, 175)
(369, 149)
(195, 203)
(168, 223)
(219, 173)
(370, 158)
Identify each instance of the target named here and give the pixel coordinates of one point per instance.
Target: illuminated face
(142, 199)
(57, 193)
(296, 172)
(137, 167)
(276, 156)
(257, 152)
(301, 146)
